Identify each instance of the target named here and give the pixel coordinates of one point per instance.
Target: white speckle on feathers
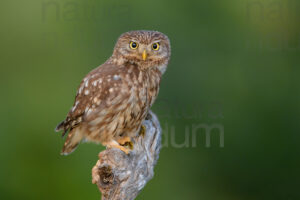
(116, 77)
(74, 107)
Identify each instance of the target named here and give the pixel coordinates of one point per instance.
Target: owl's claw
(123, 140)
(142, 131)
(124, 149)
(115, 144)
(126, 142)
(128, 145)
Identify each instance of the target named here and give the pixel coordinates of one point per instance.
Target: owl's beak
(144, 55)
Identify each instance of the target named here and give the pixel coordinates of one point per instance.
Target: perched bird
(113, 100)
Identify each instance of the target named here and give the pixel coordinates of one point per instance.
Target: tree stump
(120, 176)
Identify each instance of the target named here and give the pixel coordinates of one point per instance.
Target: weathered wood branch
(120, 176)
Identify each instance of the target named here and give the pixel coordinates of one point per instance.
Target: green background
(234, 64)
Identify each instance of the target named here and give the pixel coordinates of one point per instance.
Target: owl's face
(144, 48)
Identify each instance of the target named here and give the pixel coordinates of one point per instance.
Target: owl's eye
(155, 46)
(133, 45)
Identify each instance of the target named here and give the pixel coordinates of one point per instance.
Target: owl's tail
(72, 141)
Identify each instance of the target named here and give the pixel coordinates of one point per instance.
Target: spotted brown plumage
(113, 100)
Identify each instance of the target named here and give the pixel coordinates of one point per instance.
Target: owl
(113, 99)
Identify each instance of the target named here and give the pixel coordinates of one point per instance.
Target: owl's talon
(115, 144)
(123, 140)
(125, 150)
(122, 148)
(142, 131)
(126, 142)
(128, 145)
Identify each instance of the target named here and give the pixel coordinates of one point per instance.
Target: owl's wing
(102, 88)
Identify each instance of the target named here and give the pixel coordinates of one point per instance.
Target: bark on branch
(120, 176)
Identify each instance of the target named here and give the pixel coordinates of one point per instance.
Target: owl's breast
(147, 88)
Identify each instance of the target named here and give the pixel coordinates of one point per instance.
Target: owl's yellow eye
(155, 46)
(133, 45)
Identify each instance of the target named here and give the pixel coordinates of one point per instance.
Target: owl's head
(143, 48)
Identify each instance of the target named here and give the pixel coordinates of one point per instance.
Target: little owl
(113, 100)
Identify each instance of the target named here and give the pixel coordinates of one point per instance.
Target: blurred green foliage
(234, 63)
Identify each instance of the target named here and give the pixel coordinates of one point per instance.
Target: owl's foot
(126, 142)
(115, 144)
(123, 140)
(142, 131)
